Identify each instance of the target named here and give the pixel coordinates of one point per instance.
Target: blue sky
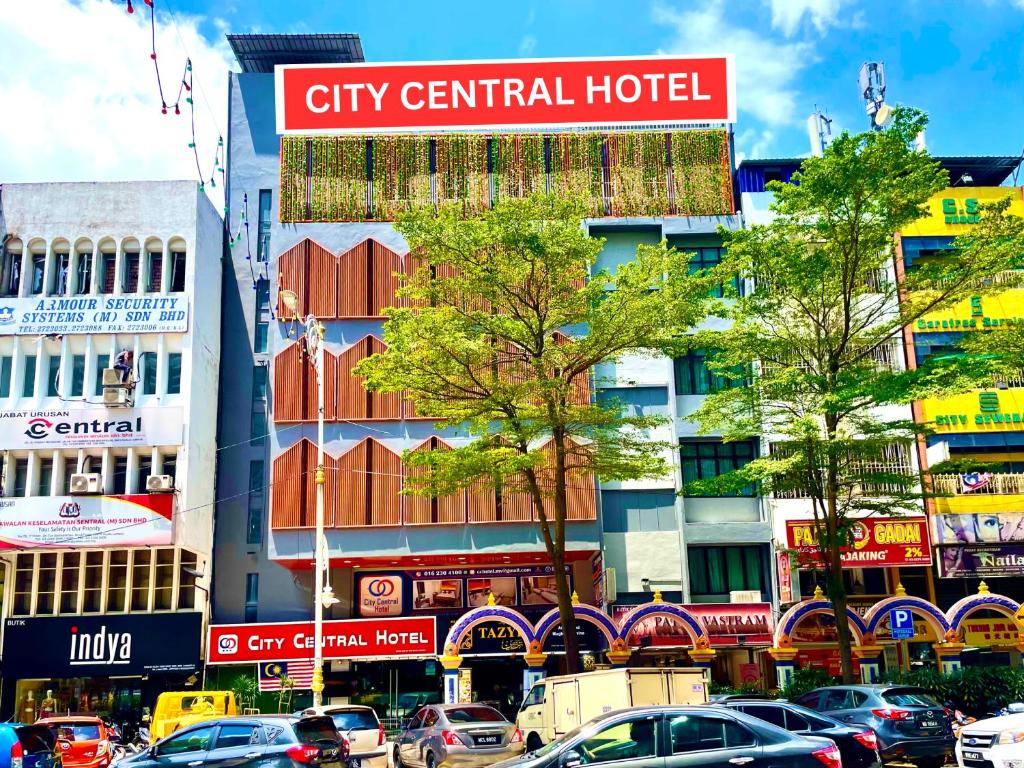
(79, 89)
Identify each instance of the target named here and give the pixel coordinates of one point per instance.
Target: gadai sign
(94, 314)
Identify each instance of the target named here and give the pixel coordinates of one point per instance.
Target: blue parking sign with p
(901, 622)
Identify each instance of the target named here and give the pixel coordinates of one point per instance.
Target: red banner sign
(504, 94)
(877, 542)
(725, 624)
(347, 639)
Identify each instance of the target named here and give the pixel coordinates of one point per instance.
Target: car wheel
(533, 743)
(431, 762)
(398, 758)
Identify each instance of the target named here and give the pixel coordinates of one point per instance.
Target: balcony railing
(1001, 483)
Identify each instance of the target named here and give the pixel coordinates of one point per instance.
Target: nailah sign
(504, 94)
(94, 314)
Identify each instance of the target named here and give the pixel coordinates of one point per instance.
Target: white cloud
(766, 70)
(753, 144)
(80, 98)
(527, 45)
(788, 14)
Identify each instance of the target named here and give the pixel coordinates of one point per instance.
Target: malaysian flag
(299, 672)
(972, 481)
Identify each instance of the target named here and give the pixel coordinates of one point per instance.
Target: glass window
(84, 273)
(705, 459)
(69, 578)
(359, 719)
(263, 229)
(257, 502)
(156, 265)
(108, 263)
(20, 477)
(474, 715)
(47, 587)
(187, 576)
(101, 363)
(70, 468)
(11, 273)
(624, 511)
(62, 262)
(170, 464)
(120, 479)
(177, 271)
(838, 699)
(232, 735)
(45, 477)
(636, 401)
(141, 579)
(196, 740)
(429, 718)
(52, 375)
(148, 363)
(535, 696)
(717, 571)
(117, 582)
(77, 375)
(809, 700)
(252, 596)
(908, 697)
(261, 340)
(28, 379)
(174, 373)
(708, 258)
(24, 568)
(258, 427)
(797, 722)
(38, 271)
(694, 378)
(627, 740)
(259, 384)
(130, 272)
(6, 363)
(163, 580)
(143, 474)
(774, 715)
(700, 733)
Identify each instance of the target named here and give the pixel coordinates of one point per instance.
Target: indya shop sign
(503, 94)
(342, 639)
(90, 428)
(33, 315)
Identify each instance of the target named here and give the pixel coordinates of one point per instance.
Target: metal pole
(319, 565)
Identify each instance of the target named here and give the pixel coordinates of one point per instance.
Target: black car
(680, 737)
(909, 723)
(857, 744)
(266, 741)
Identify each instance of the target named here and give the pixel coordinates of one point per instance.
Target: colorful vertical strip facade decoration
(401, 175)
(577, 168)
(462, 172)
(699, 161)
(338, 188)
(638, 173)
(520, 167)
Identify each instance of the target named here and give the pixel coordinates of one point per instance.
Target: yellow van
(176, 709)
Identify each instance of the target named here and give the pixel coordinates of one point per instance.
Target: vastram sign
(91, 428)
(504, 94)
(35, 316)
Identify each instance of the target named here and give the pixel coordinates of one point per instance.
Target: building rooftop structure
(260, 53)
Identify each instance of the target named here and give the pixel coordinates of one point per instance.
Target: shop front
(114, 666)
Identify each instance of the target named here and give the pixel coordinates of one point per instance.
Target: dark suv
(909, 723)
(267, 741)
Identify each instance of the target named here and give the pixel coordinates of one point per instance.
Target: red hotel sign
(504, 94)
(346, 639)
(877, 542)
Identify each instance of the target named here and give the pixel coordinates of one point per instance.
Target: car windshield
(474, 715)
(311, 730)
(909, 697)
(77, 731)
(358, 719)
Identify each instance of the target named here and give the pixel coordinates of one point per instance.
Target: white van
(556, 705)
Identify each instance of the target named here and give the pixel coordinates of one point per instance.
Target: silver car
(457, 736)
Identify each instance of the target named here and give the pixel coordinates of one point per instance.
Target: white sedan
(994, 743)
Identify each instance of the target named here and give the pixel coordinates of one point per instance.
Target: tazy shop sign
(504, 94)
(345, 639)
(876, 542)
(86, 521)
(80, 646)
(90, 428)
(94, 314)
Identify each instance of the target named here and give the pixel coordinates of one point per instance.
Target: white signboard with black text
(35, 315)
(91, 427)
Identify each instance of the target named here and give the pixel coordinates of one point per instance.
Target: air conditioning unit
(117, 397)
(745, 596)
(112, 377)
(160, 484)
(86, 484)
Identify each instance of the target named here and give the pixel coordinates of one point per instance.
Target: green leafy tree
(502, 328)
(823, 331)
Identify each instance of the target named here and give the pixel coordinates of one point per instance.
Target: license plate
(929, 724)
(972, 755)
(488, 740)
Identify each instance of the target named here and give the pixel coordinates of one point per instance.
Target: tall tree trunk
(572, 646)
(834, 556)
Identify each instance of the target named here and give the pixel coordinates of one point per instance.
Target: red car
(84, 741)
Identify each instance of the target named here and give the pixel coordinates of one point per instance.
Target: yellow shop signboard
(978, 411)
(955, 210)
(978, 313)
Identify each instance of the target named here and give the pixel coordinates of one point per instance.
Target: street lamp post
(323, 595)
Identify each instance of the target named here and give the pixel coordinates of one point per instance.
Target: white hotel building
(106, 520)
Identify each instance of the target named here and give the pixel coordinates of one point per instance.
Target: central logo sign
(380, 596)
